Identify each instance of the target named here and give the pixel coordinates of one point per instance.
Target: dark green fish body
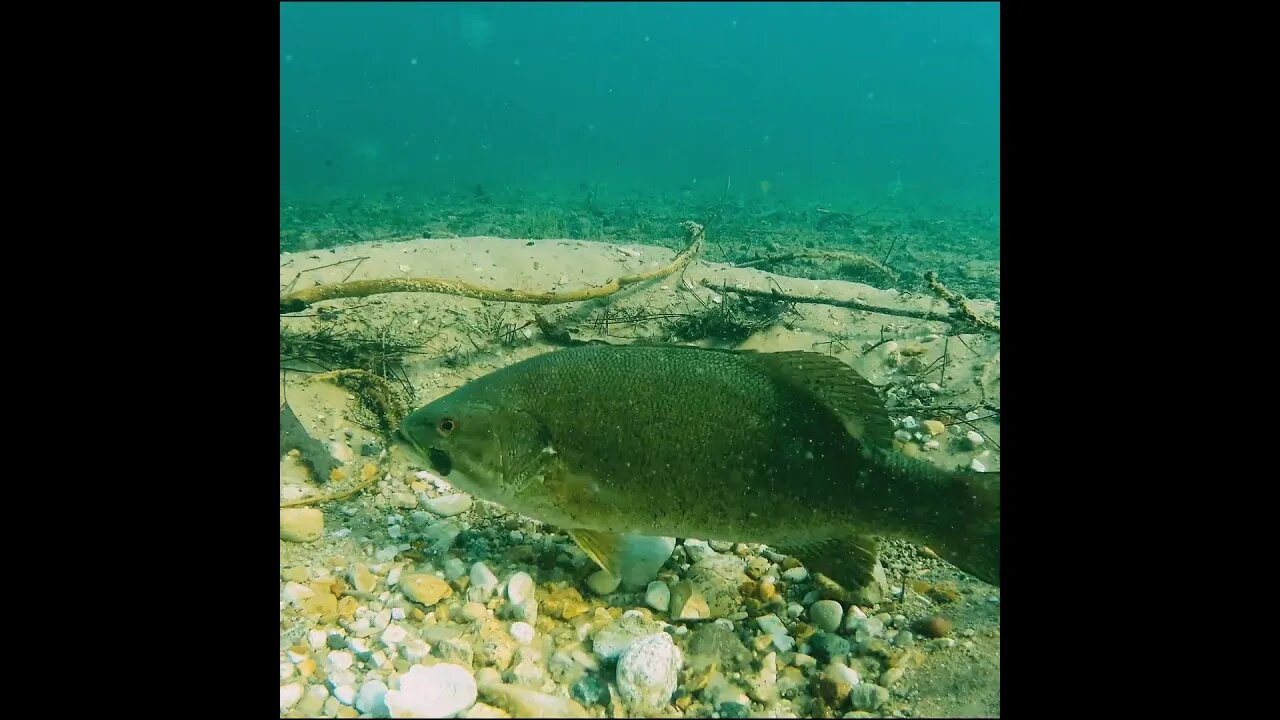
(793, 450)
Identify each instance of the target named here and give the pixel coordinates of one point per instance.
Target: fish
(792, 450)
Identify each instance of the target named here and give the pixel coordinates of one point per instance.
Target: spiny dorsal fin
(835, 384)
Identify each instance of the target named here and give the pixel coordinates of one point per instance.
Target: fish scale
(793, 450)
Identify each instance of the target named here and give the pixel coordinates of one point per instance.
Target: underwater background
(465, 186)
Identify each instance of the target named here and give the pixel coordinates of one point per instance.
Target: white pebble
(796, 574)
(935, 387)
(902, 435)
(448, 505)
(844, 674)
(932, 445)
(440, 691)
(394, 635)
(379, 658)
(382, 619)
(394, 532)
(602, 583)
(286, 670)
(397, 613)
(975, 439)
(370, 698)
(658, 596)
(519, 588)
(346, 694)
(290, 695)
(483, 579)
(647, 673)
(771, 624)
(295, 593)
(522, 632)
(698, 550)
(416, 650)
(317, 638)
(977, 466)
(795, 610)
(909, 423)
(342, 660)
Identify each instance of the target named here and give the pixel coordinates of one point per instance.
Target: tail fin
(971, 541)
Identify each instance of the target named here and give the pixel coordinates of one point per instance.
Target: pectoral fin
(605, 548)
(852, 561)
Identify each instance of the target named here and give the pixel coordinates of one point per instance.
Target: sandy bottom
(456, 339)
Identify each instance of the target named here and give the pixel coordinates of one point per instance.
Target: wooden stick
(302, 299)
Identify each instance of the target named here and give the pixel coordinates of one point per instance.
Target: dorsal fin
(836, 385)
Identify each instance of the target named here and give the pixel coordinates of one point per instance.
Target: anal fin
(851, 561)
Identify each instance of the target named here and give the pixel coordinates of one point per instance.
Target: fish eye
(446, 426)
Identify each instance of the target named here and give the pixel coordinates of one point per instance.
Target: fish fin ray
(851, 561)
(833, 383)
(605, 548)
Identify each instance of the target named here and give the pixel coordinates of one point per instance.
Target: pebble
(602, 583)
(647, 673)
(346, 694)
(524, 702)
(290, 695)
(765, 688)
(361, 579)
(335, 642)
(658, 596)
(341, 659)
(448, 505)
(454, 569)
(934, 427)
(720, 545)
(975, 438)
(425, 589)
(796, 574)
(394, 635)
(826, 615)
(697, 550)
(614, 638)
(438, 691)
(301, 524)
(483, 579)
(891, 676)
(590, 690)
(371, 696)
(287, 670)
(827, 646)
(523, 632)
(520, 588)
(867, 696)
(902, 435)
(416, 651)
(313, 700)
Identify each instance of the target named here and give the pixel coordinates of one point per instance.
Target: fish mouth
(440, 460)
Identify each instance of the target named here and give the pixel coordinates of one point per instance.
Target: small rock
(795, 574)
(902, 435)
(826, 646)
(448, 505)
(528, 703)
(647, 673)
(720, 545)
(891, 676)
(341, 659)
(371, 696)
(590, 690)
(346, 693)
(934, 427)
(481, 710)
(687, 602)
(301, 524)
(867, 696)
(313, 701)
(520, 588)
(602, 583)
(658, 596)
(612, 639)
(765, 687)
(826, 615)
(733, 710)
(369, 449)
(977, 466)
(394, 635)
(290, 695)
(697, 550)
(438, 691)
(522, 632)
(454, 569)
(454, 650)
(975, 438)
(425, 589)
(361, 579)
(483, 579)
